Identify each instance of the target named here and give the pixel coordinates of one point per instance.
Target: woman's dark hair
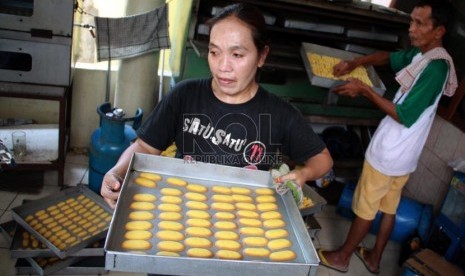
(441, 11)
(249, 15)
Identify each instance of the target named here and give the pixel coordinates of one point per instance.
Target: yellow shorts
(376, 191)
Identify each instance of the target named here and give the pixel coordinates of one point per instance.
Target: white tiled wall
(429, 183)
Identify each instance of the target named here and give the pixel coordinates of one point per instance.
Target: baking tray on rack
(85, 266)
(307, 48)
(67, 221)
(24, 246)
(318, 201)
(46, 266)
(119, 259)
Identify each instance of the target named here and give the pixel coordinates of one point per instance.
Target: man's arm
(356, 88)
(347, 66)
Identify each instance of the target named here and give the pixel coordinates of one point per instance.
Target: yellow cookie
(170, 225)
(264, 191)
(141, 215)
(265, 207)
(250, 222)
(170, 216)
(171, 199)
(176, 181)
(241, 190)
(171, 192)
(224, 216)
(226, 235)
(246, 206)
(196, 205)
(144, 197)
(251, 231)
(197, 188)
(274, 223)
(151, 176)
(199, 253)
(145, 182)
(223, 198)
(271, 215)
(167, 254)
(199, 222)
(247, 214)
(199, 232)
(198, 214)
(265, 199)
(279, 244)
(170, 235)
(138, 225)
(136, 245)
(228, 255)
(225, 225)
(195, 196)
(171, 246)
(138, 235)
(282, 256)
(198, 242)
(255, 241)
(242, 198)
(259, 252)
(221, 190)
(222, 206)
(142, 205)
(228, 245)
(276, 234)
(167, 207)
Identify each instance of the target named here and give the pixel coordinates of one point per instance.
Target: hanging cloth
(125, 37)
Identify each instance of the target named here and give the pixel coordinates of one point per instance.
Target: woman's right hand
(111, 186)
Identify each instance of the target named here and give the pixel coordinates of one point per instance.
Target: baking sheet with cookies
(67, 221)
(26, 245)
(180, 218)
(308, 49)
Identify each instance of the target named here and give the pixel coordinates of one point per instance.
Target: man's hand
(343, 68)
(353, 88)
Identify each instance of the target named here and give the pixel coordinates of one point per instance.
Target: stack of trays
(60, 230)
(183, 218)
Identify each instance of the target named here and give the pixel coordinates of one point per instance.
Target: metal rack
(36, 46)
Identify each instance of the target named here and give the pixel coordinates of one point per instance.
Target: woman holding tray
(229, 119)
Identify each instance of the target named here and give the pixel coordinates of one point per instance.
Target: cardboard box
(429, 263)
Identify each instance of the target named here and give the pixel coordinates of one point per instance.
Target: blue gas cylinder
(109, 141)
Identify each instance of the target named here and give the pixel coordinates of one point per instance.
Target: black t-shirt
(257, 132)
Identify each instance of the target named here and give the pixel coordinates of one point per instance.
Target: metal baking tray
(378, 85)
(86, 266)
(7, 230)
(318, 201)
(206, 174)
(51, 265)
(17, 249)
(21, 212)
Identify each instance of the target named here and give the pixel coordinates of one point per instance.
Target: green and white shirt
(396, 147)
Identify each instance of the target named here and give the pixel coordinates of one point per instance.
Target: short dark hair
(249, 15)
(441, 11)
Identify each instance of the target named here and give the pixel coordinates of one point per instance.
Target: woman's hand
(296, 175)
(111, 186)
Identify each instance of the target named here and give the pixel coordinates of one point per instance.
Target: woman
(229, 119)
